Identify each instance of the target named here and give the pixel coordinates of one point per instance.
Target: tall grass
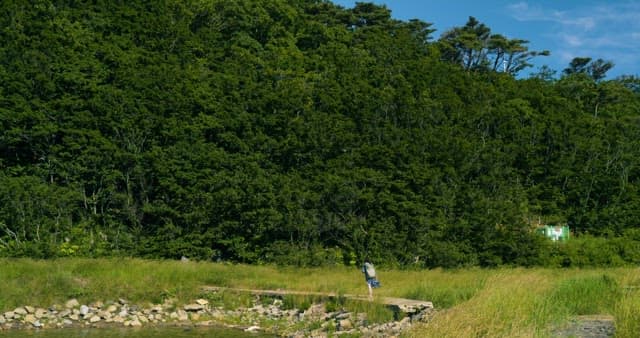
(470, 303)
(532, 303)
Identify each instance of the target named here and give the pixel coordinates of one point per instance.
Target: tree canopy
(301, 132)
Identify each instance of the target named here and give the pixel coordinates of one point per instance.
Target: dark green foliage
(303, 133)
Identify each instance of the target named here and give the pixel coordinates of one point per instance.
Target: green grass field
(507, 302)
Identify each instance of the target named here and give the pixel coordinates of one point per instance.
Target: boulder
(252, 329)
(345, 325)
(41, 313)
(84, 310)
(183, 316)
(20, 311)
(30, 318)
(72, 303)
(193, 307)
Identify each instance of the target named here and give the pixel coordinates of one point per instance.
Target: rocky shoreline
(265, 315)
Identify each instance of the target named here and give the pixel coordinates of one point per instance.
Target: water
(164, 332)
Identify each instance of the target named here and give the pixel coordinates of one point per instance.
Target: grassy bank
(470, 303)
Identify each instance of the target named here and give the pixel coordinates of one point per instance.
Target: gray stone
(343, 315)
(20, 311)
(72, 303)
(84, 310)
(67, 322)
(252, 329)
(30, 318)
(193, 307)
(345, 324)
(182, 316)
(41, 313)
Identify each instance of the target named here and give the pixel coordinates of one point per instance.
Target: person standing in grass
(370, 276)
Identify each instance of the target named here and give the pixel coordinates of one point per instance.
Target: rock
(345, 324)
(122, 301)
(343, 315)
(64, 313)
(183, 316)
(9, 315)
(135, 323)
(143, 319)
(252, 329)
(112, 308)
(74, 316)
(2, 320)
(118, 319)
(202, 301)
(20, 311)
(72, 303)
(123, 313)
(37, 324)
(30, 319)
(41, 313)
(94, 319)
(193, 307)
(84, 310)
(30, 309)
(67, 322)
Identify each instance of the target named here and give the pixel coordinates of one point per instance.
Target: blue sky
(567, 28)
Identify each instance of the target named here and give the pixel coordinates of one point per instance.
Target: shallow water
(165, 332)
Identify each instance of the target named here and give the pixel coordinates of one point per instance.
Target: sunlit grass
(508, 302)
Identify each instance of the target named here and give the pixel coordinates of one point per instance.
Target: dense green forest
(302, 132)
